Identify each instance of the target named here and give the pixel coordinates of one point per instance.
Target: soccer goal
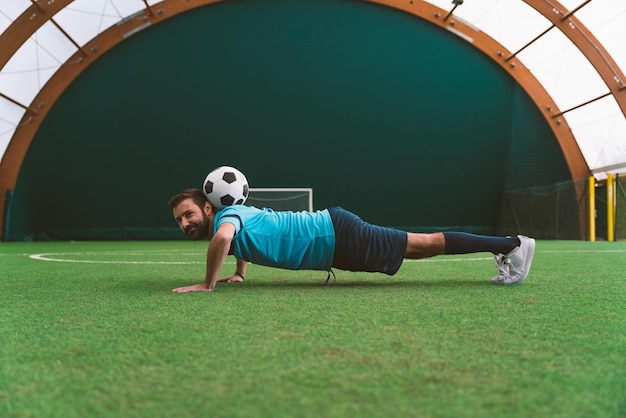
(293, 199)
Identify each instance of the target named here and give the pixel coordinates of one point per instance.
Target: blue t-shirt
(289, 240)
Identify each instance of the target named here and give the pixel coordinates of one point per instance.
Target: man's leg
(424, 245)
(439, 243)
(463, 243)
(513, 255)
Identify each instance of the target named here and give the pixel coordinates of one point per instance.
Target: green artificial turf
(102, 335)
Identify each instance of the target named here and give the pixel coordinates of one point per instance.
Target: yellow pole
(610, 207)
(592, 209)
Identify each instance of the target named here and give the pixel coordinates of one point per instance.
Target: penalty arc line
(51, 257)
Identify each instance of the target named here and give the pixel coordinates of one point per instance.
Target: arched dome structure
(67, 37)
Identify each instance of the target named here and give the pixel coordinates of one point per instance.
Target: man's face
(192, 220)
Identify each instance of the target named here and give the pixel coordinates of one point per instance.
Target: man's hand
(231, 279)
(200, 287)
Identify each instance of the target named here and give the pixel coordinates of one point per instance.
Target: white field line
(62, 257)
(66, 257)
(582, 251)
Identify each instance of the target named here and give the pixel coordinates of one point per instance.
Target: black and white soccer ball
(226, 186)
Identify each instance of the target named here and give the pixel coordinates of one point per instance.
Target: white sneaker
(513, 267)
(503, 269)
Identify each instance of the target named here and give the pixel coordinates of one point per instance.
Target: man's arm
(216, 254)
(242, 265)
(238, 276)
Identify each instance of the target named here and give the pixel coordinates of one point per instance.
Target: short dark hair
(196, 195)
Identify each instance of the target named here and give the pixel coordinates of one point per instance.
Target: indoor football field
(92, 329)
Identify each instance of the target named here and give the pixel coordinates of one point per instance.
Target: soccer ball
(225, 186)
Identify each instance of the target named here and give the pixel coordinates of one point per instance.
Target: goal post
(281, 198)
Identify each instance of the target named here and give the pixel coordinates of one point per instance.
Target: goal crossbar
(307, 190)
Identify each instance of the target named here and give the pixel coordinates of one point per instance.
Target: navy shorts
(361, 246)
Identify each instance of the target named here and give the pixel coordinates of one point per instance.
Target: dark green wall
(377, 110)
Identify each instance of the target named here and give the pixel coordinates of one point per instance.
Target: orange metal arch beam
(33, 117)
(22, 138)
(26, 25)
(577, 165)
(591, 48)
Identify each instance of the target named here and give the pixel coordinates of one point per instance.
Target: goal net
(293, 199)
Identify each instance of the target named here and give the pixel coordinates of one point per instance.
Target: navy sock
(464, 243)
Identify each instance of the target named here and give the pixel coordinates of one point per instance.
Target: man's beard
(196, 231)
